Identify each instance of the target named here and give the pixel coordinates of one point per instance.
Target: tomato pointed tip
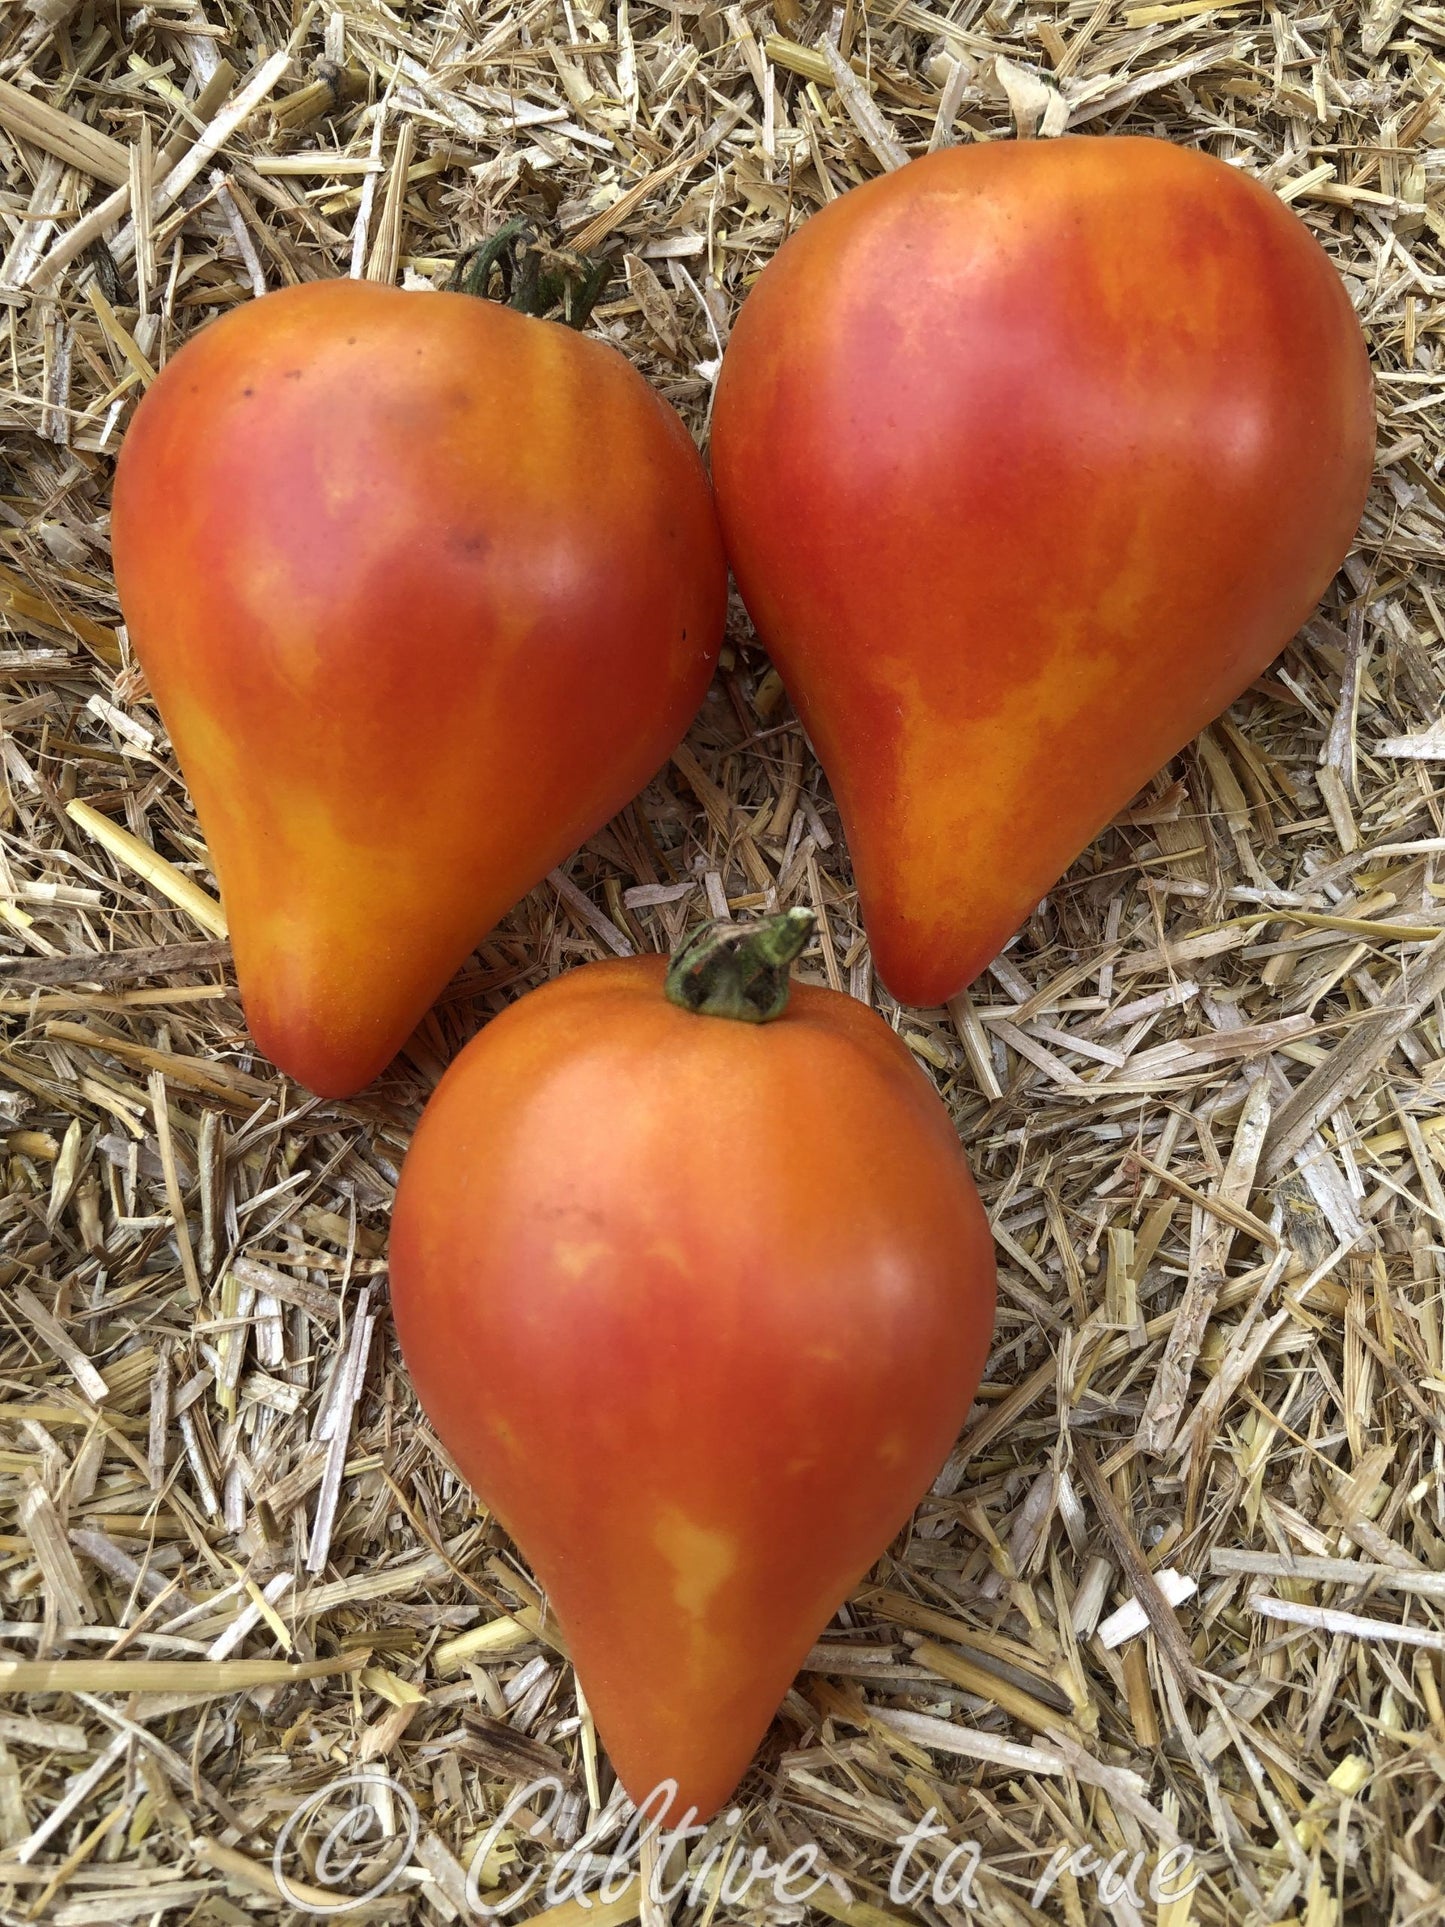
(327, 1068)
(925, 985)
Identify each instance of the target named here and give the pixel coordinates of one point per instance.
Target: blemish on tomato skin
(669, 1252)
(576, 1258)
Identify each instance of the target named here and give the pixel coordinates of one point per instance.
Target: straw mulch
(1182, 1579)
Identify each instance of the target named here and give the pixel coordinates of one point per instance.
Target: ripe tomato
(698, 1307)
(425, 590)
(1029, 457)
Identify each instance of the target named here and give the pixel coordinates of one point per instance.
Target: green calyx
(739, 970)
(533, 280)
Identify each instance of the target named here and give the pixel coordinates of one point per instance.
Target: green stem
(473, 272)
(739, 970)
(513, 252)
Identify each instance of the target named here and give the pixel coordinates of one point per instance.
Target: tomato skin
(426, 590)
(1029, 457)
(699, 1309)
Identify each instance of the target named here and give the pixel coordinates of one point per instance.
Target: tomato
(1029, 457)
(426, 590)
(698, 1306)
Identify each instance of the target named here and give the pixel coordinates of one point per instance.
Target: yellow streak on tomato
(702, 1559)
(576, 1259)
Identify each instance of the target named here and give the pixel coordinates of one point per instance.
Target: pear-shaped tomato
(698, 1306)
(426, 590)
(1029, 457)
